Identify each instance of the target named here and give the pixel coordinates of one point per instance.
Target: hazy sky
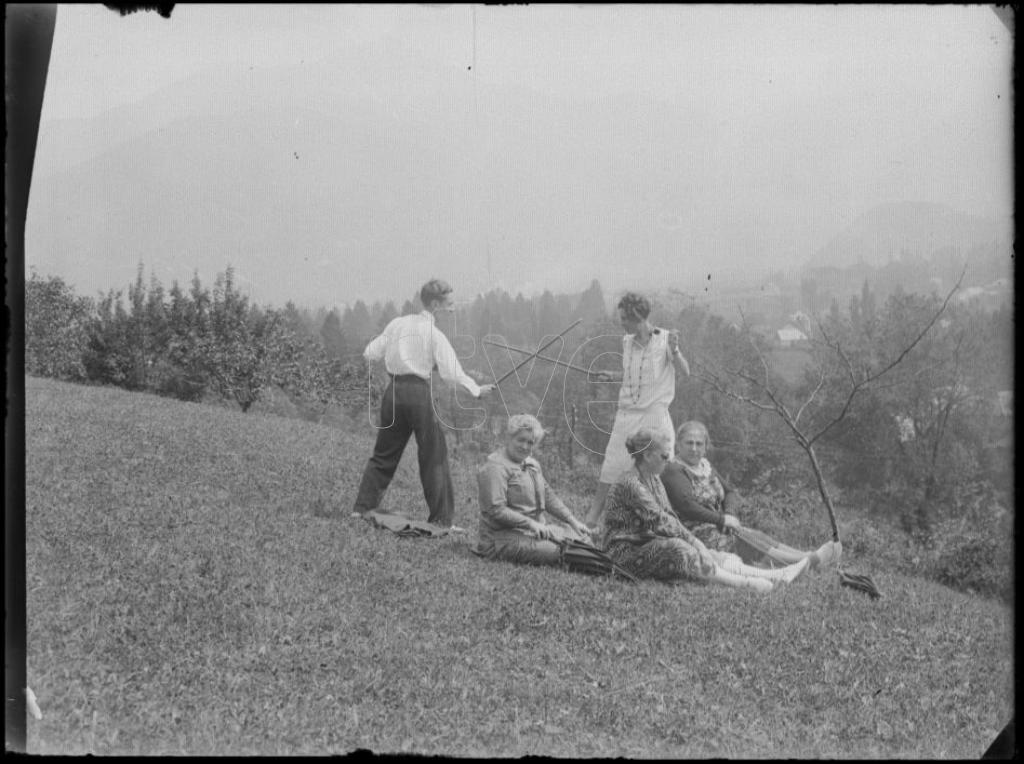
(928, 53)
(856, 105)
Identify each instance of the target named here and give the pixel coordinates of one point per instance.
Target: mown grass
(195, 586)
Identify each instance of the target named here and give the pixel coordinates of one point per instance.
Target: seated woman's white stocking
(790, 572)
(739, 581)
(825, 555)
(733, 564)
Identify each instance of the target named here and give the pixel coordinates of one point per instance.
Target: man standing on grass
(411, 348)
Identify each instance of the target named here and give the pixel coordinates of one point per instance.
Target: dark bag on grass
(585, 558)
(405, 526)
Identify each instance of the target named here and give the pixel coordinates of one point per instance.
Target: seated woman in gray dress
(521, 518)
(643, 536)
(705, 503)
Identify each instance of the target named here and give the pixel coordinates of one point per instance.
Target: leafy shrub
(879, 540)
(55, 329)
(793, 513)
(973, 551)
(579, 478)
(978, 564)
(171, 380)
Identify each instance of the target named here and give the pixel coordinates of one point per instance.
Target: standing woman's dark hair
(635, 306)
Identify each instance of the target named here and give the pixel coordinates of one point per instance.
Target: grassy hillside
(195, 586)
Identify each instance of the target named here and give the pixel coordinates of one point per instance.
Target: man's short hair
(433, 290)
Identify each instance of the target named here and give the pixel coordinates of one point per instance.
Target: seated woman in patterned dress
(521, 518)
(644, 537)
(702, 499)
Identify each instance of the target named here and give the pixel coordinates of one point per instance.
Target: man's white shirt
(414, 345)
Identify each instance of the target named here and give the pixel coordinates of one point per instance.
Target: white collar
(702, 470)
(650, 337)
(501, 457)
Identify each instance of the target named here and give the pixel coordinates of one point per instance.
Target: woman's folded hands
(539, 530)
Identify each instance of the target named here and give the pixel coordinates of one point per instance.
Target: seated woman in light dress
(521, 518)
(643, 536)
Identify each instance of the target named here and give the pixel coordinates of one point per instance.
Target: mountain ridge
(894, 230)
(332, 190)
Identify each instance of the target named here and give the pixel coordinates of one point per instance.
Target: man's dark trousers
(407, 408)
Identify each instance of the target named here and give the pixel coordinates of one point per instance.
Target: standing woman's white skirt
(617, 458)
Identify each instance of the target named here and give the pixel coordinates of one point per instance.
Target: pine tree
(387, 313)
(333, 337)
(357, 325)
(548, 319)
(591, 307)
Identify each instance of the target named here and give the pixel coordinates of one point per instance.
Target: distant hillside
(888, 231)
(430, 174)
(325, 184)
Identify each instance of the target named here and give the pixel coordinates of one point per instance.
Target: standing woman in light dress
(650, 358)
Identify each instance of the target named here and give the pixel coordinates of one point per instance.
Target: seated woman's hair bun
(643, 439)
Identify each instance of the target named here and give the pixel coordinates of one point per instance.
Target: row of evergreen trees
(519, 319)
(194, 342)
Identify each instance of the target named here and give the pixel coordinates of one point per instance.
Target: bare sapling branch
(872, 377)
(838, 350)
(858, 383)
(713, 379)
(825, 497)
(810, 399)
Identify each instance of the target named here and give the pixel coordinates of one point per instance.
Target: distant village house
(790, 336)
